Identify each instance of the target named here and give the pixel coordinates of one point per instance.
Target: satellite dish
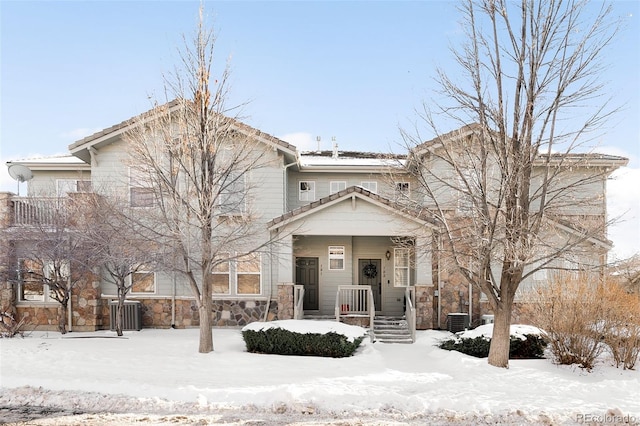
(20, 173)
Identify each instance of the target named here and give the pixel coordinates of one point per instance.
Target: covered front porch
(353, 254)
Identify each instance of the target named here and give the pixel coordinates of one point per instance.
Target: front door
(307, 275)
(370, 274)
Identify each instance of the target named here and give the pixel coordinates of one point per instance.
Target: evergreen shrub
(284, 342)
(532, 347)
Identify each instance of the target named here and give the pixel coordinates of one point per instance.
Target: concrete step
(391, 330)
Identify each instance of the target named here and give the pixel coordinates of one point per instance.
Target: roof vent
(335, 147)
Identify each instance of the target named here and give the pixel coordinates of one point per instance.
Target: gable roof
(106, 136)
(55, 162)
(588, 159)
(420, 216)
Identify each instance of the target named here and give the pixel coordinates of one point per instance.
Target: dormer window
(307, 190)
(337, 186)
(370, 185)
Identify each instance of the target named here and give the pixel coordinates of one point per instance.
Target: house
(357, 239)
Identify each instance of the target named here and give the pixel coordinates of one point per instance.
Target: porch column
(7, 290)
(424, 283)
(285, 301)
(424, 307)
(423, 261)
(284, 261)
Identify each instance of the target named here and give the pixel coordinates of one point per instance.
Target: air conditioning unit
(486, 319)
(457, 322)
(132, 315)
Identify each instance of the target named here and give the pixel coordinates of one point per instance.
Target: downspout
(285, 198)
(470, 303)
(69, 306)
(439, 281)
(271, 278)
(173, 301)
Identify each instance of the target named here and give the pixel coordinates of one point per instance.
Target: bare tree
(197, 166)
(51, 254)
(503, 187)
(118, 245)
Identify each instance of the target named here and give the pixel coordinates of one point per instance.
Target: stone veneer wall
(156, 313)
(7, 292)
(285, 301)
(424, 307)
(454, 298)
(86, 310)
(521, 313)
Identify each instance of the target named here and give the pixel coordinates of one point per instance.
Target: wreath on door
(370, 271)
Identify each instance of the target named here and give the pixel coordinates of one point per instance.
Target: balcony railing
(37, 210)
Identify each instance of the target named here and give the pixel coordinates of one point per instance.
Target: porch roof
(421, 217)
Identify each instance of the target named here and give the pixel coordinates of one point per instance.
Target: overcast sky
(355, 71)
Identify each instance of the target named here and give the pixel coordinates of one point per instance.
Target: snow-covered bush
(300, 337)
(525, 343)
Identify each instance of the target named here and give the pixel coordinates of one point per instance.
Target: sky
(356, 70)
(157, 377)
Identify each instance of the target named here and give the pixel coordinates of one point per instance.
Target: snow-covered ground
(158, 377)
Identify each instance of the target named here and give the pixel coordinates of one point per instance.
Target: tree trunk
(62, 319)
(206, 333)
(500, 342)
(120, 314)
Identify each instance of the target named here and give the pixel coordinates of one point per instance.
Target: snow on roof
(54, 159)
(350, 158)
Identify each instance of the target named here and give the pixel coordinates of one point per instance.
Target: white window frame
(46, 290)
(309, 192)
(336, 253)
(370, 185)
(337, 186)
(227, 273)
(401, 253)
(402, 190)
(238, 272)
(234, 193)
(66, 186)
(135, 185)
(145, 272)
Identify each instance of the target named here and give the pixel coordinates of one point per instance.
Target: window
(402, 190)
(371, 186)
(307, 190)
(140, 192)
(232, 195)
(401, 267)
(65, 186)
(143, 282)
(243, 274)
(541, 275)
(336, 258)
(220, 275)
(248, 274)
(337, 186)
(468, 185)
(33, 278)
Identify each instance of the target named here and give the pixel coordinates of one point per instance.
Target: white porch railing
(410, 310)
(36, 211)
(298, 301)
(355, 301)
